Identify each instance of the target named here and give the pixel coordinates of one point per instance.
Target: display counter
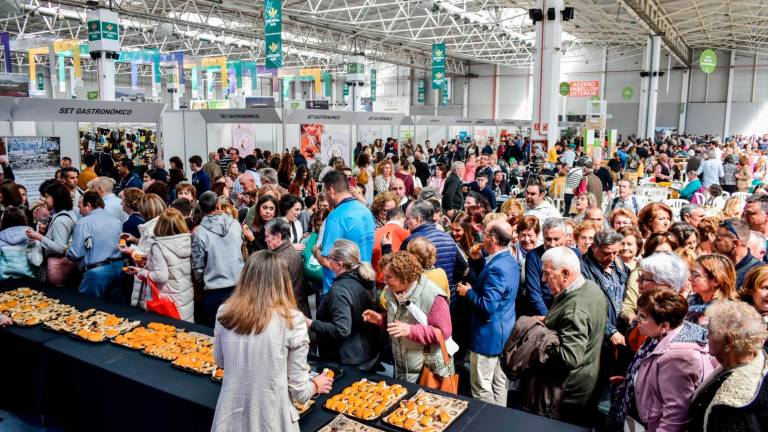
(84, 386)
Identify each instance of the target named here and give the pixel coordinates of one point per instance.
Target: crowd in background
(508, 265)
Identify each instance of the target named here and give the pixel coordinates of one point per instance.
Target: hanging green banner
(274, 44)
(373, 84)
(273, 16)
(40, 79)
(438, 77)
(62, 64)
(110, 31)
(445, 97)
(565, 88)
(328, 84)
(94, 30)
(708, 61)
(421, 92)
(627, 93)
(438, 54)
(345, 90)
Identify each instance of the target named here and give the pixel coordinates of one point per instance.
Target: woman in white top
(261, 342)
(437, 181)
(384, 174)
(290, 209)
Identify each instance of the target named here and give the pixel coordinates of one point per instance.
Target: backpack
(362, 176)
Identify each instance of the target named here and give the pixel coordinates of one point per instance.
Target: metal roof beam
(652, 14)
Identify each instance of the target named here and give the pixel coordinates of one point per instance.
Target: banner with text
(273, 38)
(421, 92)
(438, 66)
(33, 160)
(373, 84)
(584, 88)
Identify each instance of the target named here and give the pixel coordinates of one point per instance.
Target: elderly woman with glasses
(713, 277)
(735, 397)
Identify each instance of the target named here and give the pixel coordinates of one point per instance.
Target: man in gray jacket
(217, 258)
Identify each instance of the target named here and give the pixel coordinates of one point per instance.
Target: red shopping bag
(161, 305)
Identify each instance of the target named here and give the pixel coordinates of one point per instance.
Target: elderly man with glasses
(733, 241)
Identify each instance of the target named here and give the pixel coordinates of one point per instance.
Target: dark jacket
(342, 336)
(524, 357)
(446, 247)
(538, 299)
(131, 180)
(614, 293)
(422, 171)
(453, 199)
(296, 269)
(732, 401)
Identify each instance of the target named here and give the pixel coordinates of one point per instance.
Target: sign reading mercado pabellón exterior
(273, 38)
(438, 66)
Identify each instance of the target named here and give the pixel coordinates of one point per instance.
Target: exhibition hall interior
(384, 215)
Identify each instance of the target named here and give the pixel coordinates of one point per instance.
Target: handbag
(161, 305)
(427, 378)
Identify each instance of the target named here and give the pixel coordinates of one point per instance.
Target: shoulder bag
(427, 378)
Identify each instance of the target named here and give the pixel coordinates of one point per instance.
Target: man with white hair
(112, 204)
(626, 199)
(537, 294)
(578, 316)
(660, 270)
(757, 245)
(711, 170)
(453, 199)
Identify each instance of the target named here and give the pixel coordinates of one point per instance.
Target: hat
(584, 161)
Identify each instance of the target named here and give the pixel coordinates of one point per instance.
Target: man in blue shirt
(350, 220)
(95, 246)
(127, 177)
(200, 179)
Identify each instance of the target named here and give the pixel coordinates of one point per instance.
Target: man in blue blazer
(493, 312)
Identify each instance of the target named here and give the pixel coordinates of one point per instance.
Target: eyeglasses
(729, 226)
(697, 275)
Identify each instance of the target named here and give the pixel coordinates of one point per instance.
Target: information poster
(311, 138)
(243, 136)
(33, 160)
(335, 140)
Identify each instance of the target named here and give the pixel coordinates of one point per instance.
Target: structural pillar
(106, 78)
(465, 107)
(653, 88)
(546, 73)
(684, 101)
(642, 111)
(729, 97)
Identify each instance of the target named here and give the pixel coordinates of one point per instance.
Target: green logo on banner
(345, 90)
(94, 30)
(438, 54)
(40, 79)
(595, 98)
(627, 93)
(708, 61)
(373, 84)
(274, 44)
(273, 16)
(421, 92)
(438, 77)
(565, 89)
(445, 99)
(110, 31)
(93, 95)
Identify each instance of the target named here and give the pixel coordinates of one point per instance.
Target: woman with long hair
(253, 231)
(437, 181)
(383, 175)
(285, 170)
(653, 218)
(261, 341)
(364, 174)
(303, 185)
(169, 265)
(712, 278)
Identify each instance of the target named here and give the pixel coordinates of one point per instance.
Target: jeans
(212, 299)
(103, 282)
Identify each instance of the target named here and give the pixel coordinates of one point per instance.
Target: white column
(729, 96)
(53, 77)
(603, 72)
(496, 95)
(465, 107)
(653, 90)
(106, 69)
(643, 96)
(546, 73)
(436, 102)
(683, 101)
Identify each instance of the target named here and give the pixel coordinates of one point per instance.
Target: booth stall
(511, 128)
(432, 128)
(320, 133)
(460, 128)
(407, 129)
(198, 132)
(39, 131)
(483, 129)
(373, 125)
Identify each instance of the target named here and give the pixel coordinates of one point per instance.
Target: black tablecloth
(95, 387)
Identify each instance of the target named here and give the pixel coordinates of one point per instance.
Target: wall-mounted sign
(565, 89)
(87, 111)
(708, 61)
(627, 93)
(257, 115)
(584, 88)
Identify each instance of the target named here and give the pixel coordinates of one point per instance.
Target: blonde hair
(230, 210)
(181, 187)
(264, 289)
(151, 206)
(348, 254)
(740, 322)
(380, 166)
(490, 217)
(721, 269)
(170, 222)
(512, 206)
(755, 278)
(732, 204)
(424, 251)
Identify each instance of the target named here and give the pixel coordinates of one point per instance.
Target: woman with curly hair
(382, 203)
(654, 218)
(414, 345)
(383, 175)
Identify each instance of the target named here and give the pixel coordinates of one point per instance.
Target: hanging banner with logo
(708, 61)
(356, 68)
(328, 81)
(345, 90)
(438, 66)
(421, 92)
(627, 93)
(373, 84)
(273, 27)
(445, 97)
(583, 88)
(33, 160)
(565, 89)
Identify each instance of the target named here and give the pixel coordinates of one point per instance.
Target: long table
(97, 387)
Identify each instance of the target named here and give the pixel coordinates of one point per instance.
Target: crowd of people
(507, 266)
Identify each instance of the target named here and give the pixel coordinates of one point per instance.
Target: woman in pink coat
(667, 369)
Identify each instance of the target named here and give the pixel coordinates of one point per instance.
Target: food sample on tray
(200, 362)
(152, 335)
(345, 424)
(91, 325)
(218, 375)
(366, 400)
(426, 412)
(303, 408)
(27, 307)
(180, 344)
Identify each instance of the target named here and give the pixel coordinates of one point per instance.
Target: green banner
(708, 61)
(93, 95)
(94, 30)
(438, 77)
(355, 68)
(40, 79)
(345, 90)
(328, 81)
(627, 93)
(273, 16)
(110, 31)
(373, 84)
(421, 92)
(287, 87)
(565, 88)
(274, 44)
(438, 54)
(445, 97)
